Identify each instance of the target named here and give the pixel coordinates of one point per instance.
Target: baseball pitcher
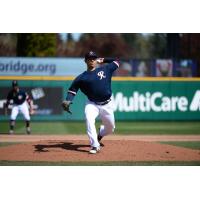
(95, 83)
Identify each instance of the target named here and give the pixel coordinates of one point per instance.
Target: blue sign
(10, 66)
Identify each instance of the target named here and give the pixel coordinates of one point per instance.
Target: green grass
(113, 163)
(4, 144)
(121, 127)
(187, 144)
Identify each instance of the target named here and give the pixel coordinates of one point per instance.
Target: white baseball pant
(23, 108)
(106, 114)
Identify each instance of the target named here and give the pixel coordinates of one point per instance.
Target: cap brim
(92, 57)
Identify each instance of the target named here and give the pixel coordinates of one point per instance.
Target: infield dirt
(116, 148)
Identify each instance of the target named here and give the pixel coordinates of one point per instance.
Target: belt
(103, 103)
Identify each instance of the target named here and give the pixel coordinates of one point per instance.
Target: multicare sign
(155, 102)
(132, 100)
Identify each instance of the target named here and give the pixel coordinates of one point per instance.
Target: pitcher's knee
(109, 130)
(89, 120)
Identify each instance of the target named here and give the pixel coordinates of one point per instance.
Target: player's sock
(27, 123)
(101, 131)
(12, 125)
(28, 129)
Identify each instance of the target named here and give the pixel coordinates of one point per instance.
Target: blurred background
(149, 54)
(158, 79)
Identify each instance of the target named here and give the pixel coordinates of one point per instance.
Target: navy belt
(103, 103)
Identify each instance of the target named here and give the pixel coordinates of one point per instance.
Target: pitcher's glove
(66, 105)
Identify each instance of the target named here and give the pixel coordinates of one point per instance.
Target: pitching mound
(113, 150)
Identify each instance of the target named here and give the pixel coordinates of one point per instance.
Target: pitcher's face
(91, 63)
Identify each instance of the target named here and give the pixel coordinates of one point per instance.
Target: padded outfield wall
(133, 98)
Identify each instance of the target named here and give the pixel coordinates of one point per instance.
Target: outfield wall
(133, 98)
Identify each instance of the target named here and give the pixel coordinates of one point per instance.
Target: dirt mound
(113, 150)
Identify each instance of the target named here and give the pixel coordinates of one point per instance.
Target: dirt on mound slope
(113, 150)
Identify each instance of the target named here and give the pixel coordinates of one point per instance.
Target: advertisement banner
(143, 68)
(14, 66)
(185, 68)
(44, 99)
(164, 67)
(158, 100)
(52, 67)
(132, 100)
(47, 97)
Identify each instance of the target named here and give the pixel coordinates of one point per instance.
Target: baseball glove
(66, 105)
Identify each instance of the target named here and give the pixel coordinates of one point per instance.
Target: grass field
(190, 145)
(116, 163)
(4, 144)
(121, 127)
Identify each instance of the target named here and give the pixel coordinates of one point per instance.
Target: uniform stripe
(116, 63)
(72, 92)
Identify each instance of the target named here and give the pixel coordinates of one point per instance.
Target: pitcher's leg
(91, 112)
(108, 121)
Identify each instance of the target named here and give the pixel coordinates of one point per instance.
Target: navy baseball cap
(90, 54)
(14, 83)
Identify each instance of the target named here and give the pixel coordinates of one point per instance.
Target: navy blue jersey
(18, 97)
(96, 84)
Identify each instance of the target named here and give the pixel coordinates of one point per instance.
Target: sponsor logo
(37, 93)
(195, 104)
(156, 102)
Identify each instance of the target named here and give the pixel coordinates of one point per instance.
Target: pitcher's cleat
(11, 132)
(94, 150)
